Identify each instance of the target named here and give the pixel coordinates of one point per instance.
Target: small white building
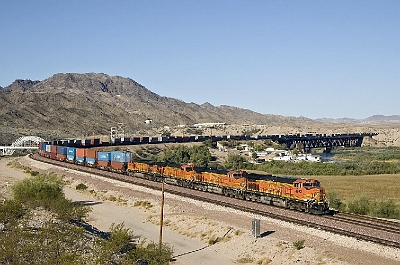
(209, 124)
(283, 158)
(308, 157)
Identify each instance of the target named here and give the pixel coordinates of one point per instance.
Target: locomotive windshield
(311, 184)
(237, 175)
(307, 185)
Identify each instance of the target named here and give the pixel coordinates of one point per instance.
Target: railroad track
(367, 221)
(383, 232)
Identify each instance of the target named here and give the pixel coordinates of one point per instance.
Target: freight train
(287, 192)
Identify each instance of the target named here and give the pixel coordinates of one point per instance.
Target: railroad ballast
(286, 192)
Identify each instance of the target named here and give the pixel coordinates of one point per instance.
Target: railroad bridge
(25, 142)
(306, 142)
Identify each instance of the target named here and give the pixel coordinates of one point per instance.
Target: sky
(316, 59)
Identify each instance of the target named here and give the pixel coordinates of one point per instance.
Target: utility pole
(162, 213)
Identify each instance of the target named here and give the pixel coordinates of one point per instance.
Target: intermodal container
(61, 150)
(61, 157)
(163, 139)
(87, 142)
(78, 143)
(104, 156)
(80, 155)
(53, 156)
(53, 149)
(118, 166)
(126, 140)
(103, 164)
(153, 140)
(48, 148)
(95, 142)
(91, 157)
(123, 157)
(71, 152)
(144, 140)
(117, 141)
(135, 140)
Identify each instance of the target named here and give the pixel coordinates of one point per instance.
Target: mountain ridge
(72, 104)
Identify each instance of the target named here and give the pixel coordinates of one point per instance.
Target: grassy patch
(375, 187)
(144, 204)
(244, 260)
(264, 261)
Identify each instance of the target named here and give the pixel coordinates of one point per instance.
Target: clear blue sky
(294, 58)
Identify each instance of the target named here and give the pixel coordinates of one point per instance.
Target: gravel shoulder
(189, 225)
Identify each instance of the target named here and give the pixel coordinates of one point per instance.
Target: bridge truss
(24, 142)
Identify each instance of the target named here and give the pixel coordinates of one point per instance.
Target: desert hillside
(87, 105)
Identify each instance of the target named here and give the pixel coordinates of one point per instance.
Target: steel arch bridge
(24, 142)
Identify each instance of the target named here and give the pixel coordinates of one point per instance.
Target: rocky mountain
(84, 105)
(382, 118)
(79, 105)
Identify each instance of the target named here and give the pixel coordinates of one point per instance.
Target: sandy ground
(190, 225)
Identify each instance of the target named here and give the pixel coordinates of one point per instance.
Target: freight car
(288, 192)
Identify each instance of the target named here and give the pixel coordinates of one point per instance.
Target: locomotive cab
(237, 174)
(187, 167)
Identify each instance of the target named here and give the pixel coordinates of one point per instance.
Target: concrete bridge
(25, 142)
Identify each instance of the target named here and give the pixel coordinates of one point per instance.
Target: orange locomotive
(287, 192)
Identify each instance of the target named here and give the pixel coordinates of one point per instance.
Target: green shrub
(47, 191)
(361, 205)
(386, 209)
(34, 173)
(299, 244)
(39, 190)
(10, 211)
(81, 186)
(335, 202)
(214, 240)
(234, 161)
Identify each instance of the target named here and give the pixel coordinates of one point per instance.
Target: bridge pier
(328, 149)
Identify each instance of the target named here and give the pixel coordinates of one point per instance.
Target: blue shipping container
(71, 151)
(104, 156)
(90, 161)
(123, 157)
(80, 159)
(61, 150)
